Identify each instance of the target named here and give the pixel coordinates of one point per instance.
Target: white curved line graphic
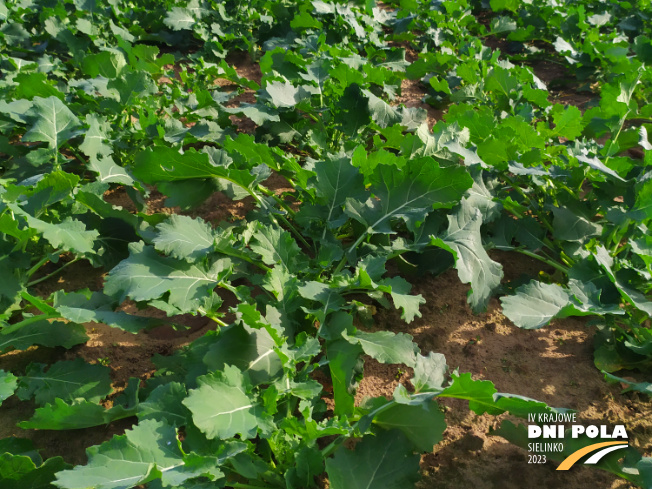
(595, 458)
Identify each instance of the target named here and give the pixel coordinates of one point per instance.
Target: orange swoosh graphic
(575, 456)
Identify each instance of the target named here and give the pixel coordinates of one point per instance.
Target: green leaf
(381, 112)
(20, 472)
(108, 64)
(429, 372)
(251, 350)
(165, 404)
(568, 121)
(221, 407)
(386, 347)
(98, 308)
(66, 380)
(535, 304)
(511, 5)
(31, 85)
(384, 461)
(423, 424)
(644, 387)
(399, 289)
(69, 235)
(146, 275)
(53, 123)
(163, 164)
(10, 286)
(408, 194)
(344, 363)
(276, 246)
(43, 332)
(148, 451)
(463, 239)
(184, 238)
(179, 19)
(133, 84)
(479, 393)
(75, 415)
(336, 179)
(8, 384)
(284, 94)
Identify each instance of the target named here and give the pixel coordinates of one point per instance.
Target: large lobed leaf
(145, 275)
(381, 462)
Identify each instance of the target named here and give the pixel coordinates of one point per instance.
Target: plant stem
(296, 233)
(26, 322)
(335, 444)
(553, 264)
(243, 257)
(50, 275)
(278, 200)
(213, 318)
(38, 265)
(245, 486)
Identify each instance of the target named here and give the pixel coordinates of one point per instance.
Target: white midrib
(254, 362)
(330, 211)
(139, 477)
(241, 408)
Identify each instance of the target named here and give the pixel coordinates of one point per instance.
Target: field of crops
(308, 244)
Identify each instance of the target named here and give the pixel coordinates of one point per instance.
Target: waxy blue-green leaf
(66, 380)
(222, 407)
(429, 372)
(98, 308)
(386, 347)
(164, 164)
(165, 404)
(179, 18)
(277, 247)
(336, 179)
(535, 304)
(42, 332)
(385, 461)
(74, 415)
(345, 366)
(184, 238)
(409, 194)
(22, 472)
(423, 424)
(644, 387)
(474, 266)
(146, 275)
(69, 235)
(570, 226)
(53, 123)
(285, 95)
(96, 146)
(251, 350)
(629, 293)
(399, 289)
(148, 451)
(330, 299)
(8, 384)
